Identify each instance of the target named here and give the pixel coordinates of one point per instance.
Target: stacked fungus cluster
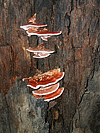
(45, 85)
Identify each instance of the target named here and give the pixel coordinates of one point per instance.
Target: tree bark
(76, 53)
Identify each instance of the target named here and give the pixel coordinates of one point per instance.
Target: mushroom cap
(38, 73)
(44, 33)
(32, 25)
(46, 90)
(53, 95)
(45, 79)
(41, 55)
(40, 49)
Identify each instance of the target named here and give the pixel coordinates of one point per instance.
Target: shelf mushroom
(46, 90)
(40, 51)
(53, 95)
(46, 79)
(32, 24)
(44, 33)
(41, 55)
(50, 96)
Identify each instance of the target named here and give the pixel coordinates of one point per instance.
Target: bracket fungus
(40, 51)
(53, 95)
(31, 25)
(40, 55)
(43, 80)
(46, 90)
(47, 83)
(33, 29)
(44, 33)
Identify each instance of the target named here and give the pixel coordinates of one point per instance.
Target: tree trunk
(76, 53)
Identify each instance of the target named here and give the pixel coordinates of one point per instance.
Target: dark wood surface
(76, 53)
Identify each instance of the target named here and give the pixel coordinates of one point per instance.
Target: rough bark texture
(21, 112)
(87, 116)
(77, 54)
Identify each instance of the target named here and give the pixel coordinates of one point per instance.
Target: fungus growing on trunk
(50, 96)
(32, 27)
(44, 33)
(40, 51)
(53, 95)
(41, 55)
(40, 48)
(46, 83)
(46, 90)
(43, 80)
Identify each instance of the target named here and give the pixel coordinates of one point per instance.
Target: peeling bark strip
(76, 53)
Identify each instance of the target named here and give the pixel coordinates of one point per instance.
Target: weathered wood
(21, 112)
(76, 50)
(13, 14)
(5, 66)
(87, 115)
